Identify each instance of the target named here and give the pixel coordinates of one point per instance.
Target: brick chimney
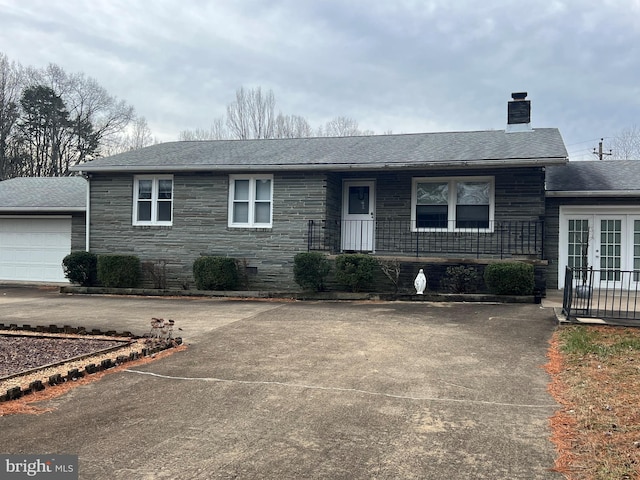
(519, 113)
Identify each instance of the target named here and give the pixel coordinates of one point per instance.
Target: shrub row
(354, 271)
(88, 269)
(124, 271)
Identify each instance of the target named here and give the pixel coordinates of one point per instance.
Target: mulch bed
(26, 404)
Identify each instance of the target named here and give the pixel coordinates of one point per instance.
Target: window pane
(241, 212)
(472, 216)
(473, 193)
(359, 200)
(432, 216)
(432, 193)
(144, 189)
(241, 190)
(263, 212)
(144, 211)
(263, 189)
(164, 211)
(164, 189)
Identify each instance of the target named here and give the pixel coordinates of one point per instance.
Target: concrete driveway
(292, 390)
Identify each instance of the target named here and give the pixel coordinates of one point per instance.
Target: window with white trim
(450, 204)
(153, 200)
(250, 201)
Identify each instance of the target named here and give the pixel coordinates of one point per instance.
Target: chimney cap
(519, 95)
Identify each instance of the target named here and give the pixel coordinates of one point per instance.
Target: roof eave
(593, 193)
(507, 162)
(41, 209)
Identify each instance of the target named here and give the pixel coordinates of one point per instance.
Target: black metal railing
(401, 237)
(609, 295)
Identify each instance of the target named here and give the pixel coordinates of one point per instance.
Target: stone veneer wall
(200, 217)
(200, 226)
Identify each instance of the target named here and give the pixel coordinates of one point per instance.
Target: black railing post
(309, 235)
(567, 296)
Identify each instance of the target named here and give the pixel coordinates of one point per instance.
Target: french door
(608, 242)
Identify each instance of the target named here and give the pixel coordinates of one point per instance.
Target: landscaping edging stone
(291, 295)
(91, 368)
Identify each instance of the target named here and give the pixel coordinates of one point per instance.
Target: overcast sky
(400, 65)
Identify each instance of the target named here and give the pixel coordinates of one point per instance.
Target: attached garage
(32, 249)
(41, 221)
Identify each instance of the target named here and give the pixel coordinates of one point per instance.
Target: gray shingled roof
(43, 194)
(599, 177)
(543, 146)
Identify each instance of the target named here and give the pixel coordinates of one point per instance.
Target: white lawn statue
(420, 282)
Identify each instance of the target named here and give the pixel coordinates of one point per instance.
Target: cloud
(404, 66)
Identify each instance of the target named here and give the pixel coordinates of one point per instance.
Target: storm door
(358, 216)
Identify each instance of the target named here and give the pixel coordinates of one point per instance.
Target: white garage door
(32, 249)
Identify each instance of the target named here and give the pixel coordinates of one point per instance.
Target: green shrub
(310, 270)
(512, 278)
(215, 273)
(355, 271)
(119, 271)
(460, 279)
(81, 268)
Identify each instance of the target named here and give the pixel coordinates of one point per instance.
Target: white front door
(358, 215)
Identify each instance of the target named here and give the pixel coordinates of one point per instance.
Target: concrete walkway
(271, 389)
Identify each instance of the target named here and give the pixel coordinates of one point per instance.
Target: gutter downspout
(87, 213)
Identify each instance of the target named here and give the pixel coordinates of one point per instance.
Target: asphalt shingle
(43, 194)
(594, 176)
(543, 145)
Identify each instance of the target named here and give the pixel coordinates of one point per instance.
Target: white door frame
(596, 213)
(358, 229)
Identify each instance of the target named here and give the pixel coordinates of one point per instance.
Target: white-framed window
(250, 201)
(153, 200)
(452, 204)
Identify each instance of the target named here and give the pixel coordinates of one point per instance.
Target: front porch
(499, 239)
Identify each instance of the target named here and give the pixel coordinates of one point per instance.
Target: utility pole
(600, 153)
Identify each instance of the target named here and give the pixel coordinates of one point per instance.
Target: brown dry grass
(595, 377)
(24, 405)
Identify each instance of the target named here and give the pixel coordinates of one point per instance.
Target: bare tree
(140, 134)
(252, 114)
(137, 135)
(292, 126)
(88, 103)
(626, 145)
(391, 268)
(218, 131)
(10, 86)
(341, 127)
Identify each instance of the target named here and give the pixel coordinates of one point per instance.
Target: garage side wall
(78, 230)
